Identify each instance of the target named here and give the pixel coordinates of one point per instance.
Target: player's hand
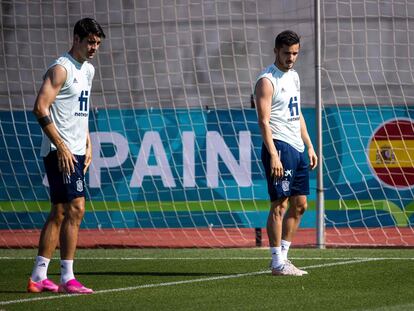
(276, 167)
(88, 158)
(313, 158)
(66, 159)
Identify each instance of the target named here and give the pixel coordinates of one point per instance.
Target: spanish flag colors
(391, 153)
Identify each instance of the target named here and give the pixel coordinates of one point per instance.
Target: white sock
(285, 249)
(39, 272)
(66, 271)
(277, 259)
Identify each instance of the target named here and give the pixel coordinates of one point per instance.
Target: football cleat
(303, 272)
(41, 286)
(286, 270)
(74, 287)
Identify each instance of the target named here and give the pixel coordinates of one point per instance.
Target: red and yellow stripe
(402, 152)
(391, 153)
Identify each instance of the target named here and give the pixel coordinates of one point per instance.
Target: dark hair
(87, 26)
(287, 37)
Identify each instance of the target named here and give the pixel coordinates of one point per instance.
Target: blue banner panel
(193, 155)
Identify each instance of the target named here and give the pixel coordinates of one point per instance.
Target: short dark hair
(287, 37)
(87, 26)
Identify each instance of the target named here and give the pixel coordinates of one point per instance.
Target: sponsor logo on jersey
(293, 119)
(293, 109)
(391, 153)
(75, 81)
(81, 114)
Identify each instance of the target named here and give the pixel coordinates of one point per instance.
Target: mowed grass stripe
(198, 280)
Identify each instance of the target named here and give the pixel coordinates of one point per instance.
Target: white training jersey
(70, 110)
(285, 110)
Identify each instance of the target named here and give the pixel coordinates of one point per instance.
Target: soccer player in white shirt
(284, 133)
(62, 110)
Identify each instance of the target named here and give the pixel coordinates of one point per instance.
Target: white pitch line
(212, 258)
(214, 278)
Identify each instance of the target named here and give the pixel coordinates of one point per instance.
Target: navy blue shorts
(296, 176)
(64, 188)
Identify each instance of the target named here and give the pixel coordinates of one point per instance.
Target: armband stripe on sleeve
(44, 121)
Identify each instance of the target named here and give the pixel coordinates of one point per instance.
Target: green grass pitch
(218, 279)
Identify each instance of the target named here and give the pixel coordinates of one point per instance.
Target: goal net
(176, 147)
(176, 144)
(368, 124)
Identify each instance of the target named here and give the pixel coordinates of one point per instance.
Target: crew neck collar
(74, 61)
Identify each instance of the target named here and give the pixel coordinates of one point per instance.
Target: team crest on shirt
(285, 185)
(79, 185)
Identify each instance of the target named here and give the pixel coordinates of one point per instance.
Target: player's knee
(298, 205)
(301, 208)
(76, 211)
(56, 218)
(276, 214)
(278, 209)
(57, 214)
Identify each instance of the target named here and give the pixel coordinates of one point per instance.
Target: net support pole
(320, 204)
(258, 236)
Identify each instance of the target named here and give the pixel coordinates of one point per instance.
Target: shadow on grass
(145, 273)
(118, 273)
(17, 292)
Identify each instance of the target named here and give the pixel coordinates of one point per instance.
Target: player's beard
(91, 55)
(289, 65)
(285, 66)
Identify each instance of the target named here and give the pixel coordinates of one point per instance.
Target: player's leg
(297, 204)
(297, 207)
(49, 236)
(279, 265)
(74, 212)
(291, 221)
(299, 189)
(274, 231)
(279, 193)
(48, 240)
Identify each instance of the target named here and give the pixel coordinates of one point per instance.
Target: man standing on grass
(62, 110)
(284, 134)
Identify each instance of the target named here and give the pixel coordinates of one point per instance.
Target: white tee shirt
(70, 110)
(285, 110)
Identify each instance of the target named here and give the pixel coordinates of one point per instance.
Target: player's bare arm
(264, 93)
(53, 82)
(88, 153)
(313, 159)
